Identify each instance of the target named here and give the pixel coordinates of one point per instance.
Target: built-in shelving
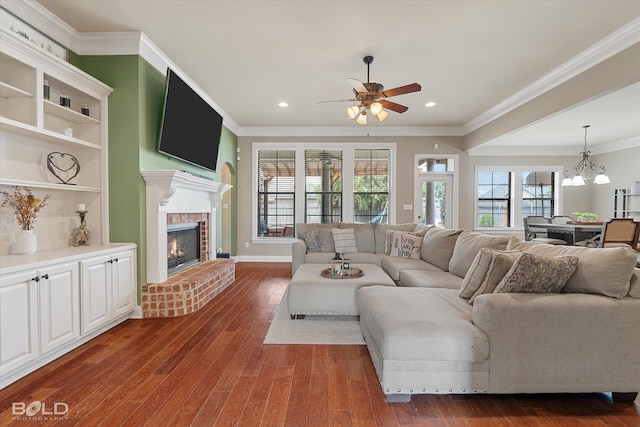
(34, 125)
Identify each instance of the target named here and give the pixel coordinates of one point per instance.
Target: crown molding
(356, 130)
(44, 21)
(557, 150)
(614, 43)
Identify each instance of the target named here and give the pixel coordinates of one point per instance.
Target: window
(276, 193)
(320, 183)
(323, 186)
(499, 205)
(371, 185)
(494, 199)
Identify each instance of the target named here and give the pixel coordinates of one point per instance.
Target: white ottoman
(310, 293)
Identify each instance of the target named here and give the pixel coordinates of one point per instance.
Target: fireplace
(183, 245)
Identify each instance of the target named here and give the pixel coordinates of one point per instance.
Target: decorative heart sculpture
(63, 166)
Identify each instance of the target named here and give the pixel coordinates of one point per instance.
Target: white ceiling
(469, 56)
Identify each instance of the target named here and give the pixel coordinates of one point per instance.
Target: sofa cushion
(476, 273)
(365, 238)
(429, 279)
(533, 273)
(467, 246)
(311, 239)
(501, 262)
(602, 271)
(325, 236)
(400, 329)
(634, 288)
(437, 246)
(380, 234)
(344, 240)
(405, 245)
(393, 266)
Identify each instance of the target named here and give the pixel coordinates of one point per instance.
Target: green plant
(585, 216)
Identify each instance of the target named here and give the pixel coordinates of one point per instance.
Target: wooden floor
(211, 368)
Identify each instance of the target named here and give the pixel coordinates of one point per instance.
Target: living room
(506, 131)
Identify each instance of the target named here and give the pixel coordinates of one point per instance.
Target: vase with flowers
(25, 208)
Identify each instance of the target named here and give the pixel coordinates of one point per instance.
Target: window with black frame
(493, 199)
(323, 186)
(371, 183)
(276, 193)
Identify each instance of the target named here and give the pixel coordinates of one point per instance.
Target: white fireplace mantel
(173, 191)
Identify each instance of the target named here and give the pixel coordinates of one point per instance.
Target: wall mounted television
(191, 128)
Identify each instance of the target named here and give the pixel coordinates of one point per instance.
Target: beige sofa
(425, 337)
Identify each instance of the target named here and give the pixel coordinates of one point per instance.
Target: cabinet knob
(45, 276)
(116, 260)
(35, 279)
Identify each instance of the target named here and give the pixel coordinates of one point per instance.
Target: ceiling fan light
(375, 108)
(601, 179)
(353, 111)
(362, 118)
(382, 115)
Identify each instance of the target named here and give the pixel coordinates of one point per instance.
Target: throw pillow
(467, 247)
(344, 240)
(312, 240)
(405, 245)
(476, 273)
(532, 273)
(501, 262)
(326, 240)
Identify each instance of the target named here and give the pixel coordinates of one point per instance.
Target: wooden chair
(560, 219)
(531, 232)
(619, 232)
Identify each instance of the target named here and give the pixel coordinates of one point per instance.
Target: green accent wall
(135, 114)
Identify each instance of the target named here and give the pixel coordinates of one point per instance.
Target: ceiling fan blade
(337, 100)
(410, 88)
(393, 106)
(357, 85)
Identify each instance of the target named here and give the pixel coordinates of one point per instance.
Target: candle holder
(81, 234)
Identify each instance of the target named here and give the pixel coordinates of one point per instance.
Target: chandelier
(585, 169)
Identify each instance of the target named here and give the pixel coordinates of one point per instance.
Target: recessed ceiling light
(430, 104)
(283, 104)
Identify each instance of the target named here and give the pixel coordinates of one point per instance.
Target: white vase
(26, 242)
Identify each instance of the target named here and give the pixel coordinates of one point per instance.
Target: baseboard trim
(261, 258)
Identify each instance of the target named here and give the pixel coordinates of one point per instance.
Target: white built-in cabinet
(61, 296)
(108, 288)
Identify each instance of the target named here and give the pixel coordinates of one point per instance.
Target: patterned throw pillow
(405, 245)
(344, 240)
(312, 240)
(501, 262)
(532, 273)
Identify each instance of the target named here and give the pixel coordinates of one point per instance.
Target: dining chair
(620, 232)
(560, 219)
(538, 234)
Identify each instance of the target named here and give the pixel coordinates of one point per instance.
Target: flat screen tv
(190, 128)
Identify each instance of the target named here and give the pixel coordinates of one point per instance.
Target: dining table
(572, 231)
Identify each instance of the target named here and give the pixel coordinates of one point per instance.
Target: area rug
(312, 329)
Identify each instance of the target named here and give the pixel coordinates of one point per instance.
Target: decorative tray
(351, 273)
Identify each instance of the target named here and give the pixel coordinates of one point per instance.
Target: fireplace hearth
(183, 245)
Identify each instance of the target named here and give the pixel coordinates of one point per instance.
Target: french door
(433, 199)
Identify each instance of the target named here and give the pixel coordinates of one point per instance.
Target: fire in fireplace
(183, 245)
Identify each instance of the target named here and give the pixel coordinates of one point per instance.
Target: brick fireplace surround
(174, 197)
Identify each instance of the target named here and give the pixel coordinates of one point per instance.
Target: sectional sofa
(477, 313)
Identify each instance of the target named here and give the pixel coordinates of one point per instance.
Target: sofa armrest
(560, 342)
(298, 251)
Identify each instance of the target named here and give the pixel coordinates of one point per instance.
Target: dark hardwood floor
(211, 368)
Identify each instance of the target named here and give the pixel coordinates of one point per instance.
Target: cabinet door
(18, 320)
(124, 282)
(59, 305)
(96, 292)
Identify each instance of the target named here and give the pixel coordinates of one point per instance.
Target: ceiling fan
(372, 97)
